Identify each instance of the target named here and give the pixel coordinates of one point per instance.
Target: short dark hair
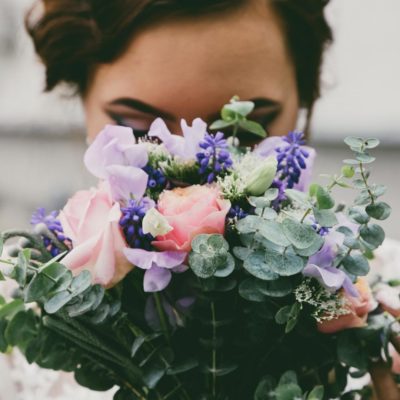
(72, 36)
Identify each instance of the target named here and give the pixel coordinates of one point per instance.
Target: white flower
(262, 177)
(155, 223)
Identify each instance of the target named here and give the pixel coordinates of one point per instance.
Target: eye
(129, 123)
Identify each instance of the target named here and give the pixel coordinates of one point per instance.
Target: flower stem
(214, 351)
(161, 315)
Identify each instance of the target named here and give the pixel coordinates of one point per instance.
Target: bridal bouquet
(198, 269)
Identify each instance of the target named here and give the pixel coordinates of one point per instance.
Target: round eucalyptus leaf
(371, 143)
(297, 197)
(249, 224)
(324, 199)
(227, 268)
(57, 302)
(285, 264)
(358, 214)
(300, 235)
(201, 266)
(249, 290)
(242, 108)
(314, 248)
(272, 231)
(380, 210)
(277, 288)
(365, 158)
(325, 218)
(257, 266)
(355, 142)
(356, 264)
(271, 193)
(372, 234)
(242, 252)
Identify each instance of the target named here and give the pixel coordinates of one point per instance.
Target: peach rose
(358, 308)
(91, 220)
(191, 211)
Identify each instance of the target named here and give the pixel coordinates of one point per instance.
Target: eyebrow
(259, 102)
(143, 107)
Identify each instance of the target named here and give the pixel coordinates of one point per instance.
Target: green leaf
(227, 268)
(356, 265)
(277, 288)
(10, 309)
(220, 124)
(358, 214)
(81, 282)
(21, 329)
(350, 351)
(242, 252)
(200, 266)
(2, 278)
(271, 194)
(354, 142)
(272, 231)
(371, 143)
(288, 377)
(256, 264)
(380, 210)
(309, 251)
(88, 376)
(249, 224)
(57, 302)
(183, 366)
(300, 235)
(253, 127)
(1, 244)
(372, 234)
(249, 290)
(286, 264)
(290, 391)
(3, 341)
(350, 161)
(242, 108)
(316, 394)
(365, 158)
(283, 315)
(324, 199)
(264, 388)
(297, 197)
(20, 270)
(325, 218)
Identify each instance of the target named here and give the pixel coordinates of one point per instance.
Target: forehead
(204, 60)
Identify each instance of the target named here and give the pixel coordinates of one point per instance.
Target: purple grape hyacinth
(215, 157)
(53, 225)
(291, 158)
(131, 223)
(157, 179)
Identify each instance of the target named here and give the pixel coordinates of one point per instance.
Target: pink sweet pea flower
(91, 220)
(187, 146)
(191, 211)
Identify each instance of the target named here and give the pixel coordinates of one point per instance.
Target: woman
(133, 61)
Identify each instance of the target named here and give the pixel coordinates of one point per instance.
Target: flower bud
(262, 177)
(155, 223)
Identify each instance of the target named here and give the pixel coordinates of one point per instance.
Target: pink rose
(91, 220)
(191, 211)
(358, 308)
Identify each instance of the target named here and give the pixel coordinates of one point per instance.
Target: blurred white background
(42, 136)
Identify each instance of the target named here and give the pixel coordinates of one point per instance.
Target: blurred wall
(42, 136)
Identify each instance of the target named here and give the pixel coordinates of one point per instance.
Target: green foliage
(210, 256)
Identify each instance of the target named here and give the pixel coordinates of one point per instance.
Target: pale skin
(188, 68)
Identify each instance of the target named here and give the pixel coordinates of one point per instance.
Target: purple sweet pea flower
(187, 146)
(126, 182)
(158, 266)
(115, 145)
(268, 148)
(320, 266)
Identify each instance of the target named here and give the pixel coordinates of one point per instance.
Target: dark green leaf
(350, 351)
(288, 377)
(316, 394)
(10, 309)
(277, 288)
(358, 214)
(373, 234)
(184, 366)
(264, 388)
(289, 391)
(88, 376)
(283, 315)
(356, 265)
(249, 290)
(324, 199)
(379, 210)
(21, 329)
(220, 124)
(3, 341)
(253, 127)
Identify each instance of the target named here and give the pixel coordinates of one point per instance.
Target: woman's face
(190, 67)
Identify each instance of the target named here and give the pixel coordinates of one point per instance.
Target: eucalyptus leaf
(356, 264)
(242, 108)
(272, 231)
(57, 302)
(249, 290)
(380, 210)
(256, 264)
(297, 197)
(372, 234)
(200, 266)
(253, 127)
(286, 264)
(290, 391)
(325, 218)
(220, 124)
(358, 214)
(249, 224)
(277, 288)
(324, 199)
(300, 235)
(226, 268)
(354, 142)
(21, 329)
(316, 394)
(242, 252)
